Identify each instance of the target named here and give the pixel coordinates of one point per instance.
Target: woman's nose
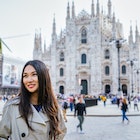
(30, 78)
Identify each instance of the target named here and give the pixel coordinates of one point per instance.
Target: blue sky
(20, 18)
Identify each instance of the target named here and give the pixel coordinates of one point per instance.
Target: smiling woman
(34, 113)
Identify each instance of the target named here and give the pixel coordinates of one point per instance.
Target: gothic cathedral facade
(91, 56)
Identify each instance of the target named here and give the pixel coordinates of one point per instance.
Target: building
(91, 55)
(10, 71)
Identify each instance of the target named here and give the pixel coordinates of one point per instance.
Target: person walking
(104, 99)
(71, 99)
(118, 101)
(80, 110)
(136, 103)
(124, 108)
(64, 109)
(34, 113)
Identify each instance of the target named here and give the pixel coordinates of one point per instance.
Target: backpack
(124, 107)
(65, 105)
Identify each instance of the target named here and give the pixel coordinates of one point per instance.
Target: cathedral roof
(83, 15)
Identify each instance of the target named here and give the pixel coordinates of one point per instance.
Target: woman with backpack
(64, 109)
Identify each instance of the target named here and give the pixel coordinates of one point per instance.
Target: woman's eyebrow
(31, 72)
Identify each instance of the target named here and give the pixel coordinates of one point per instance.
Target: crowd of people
(75, 104)
(123, 103)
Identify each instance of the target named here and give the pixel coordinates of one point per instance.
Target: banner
(11, 75)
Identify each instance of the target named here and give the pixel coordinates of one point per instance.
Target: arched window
(123, 69)
(83, 59)
(107, 54)
(107, 70)
(84, 36)
(61, 56)
(61, 72)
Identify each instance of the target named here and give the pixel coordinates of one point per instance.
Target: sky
(20, 18)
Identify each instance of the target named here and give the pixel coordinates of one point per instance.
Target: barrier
(91, 102)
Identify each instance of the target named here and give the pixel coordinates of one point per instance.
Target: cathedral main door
(107, 89)
(84, 85)
(124, 89)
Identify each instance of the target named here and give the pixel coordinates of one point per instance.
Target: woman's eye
(24, 76)
(35, 74)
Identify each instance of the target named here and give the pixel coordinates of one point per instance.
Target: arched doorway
(107, 89)
(61, 89)
(84, 86)
(124, 89)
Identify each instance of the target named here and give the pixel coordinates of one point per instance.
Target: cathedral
(91, 56)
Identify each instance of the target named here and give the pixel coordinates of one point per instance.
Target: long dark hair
(46, 97)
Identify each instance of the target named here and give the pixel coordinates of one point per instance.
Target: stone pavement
(103, 123)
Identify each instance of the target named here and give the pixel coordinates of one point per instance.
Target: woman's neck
(34, 99)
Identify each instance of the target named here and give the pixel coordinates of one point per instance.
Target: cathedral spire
(98, 8)
(109, 8)
(54, 35)
(136, 34)
(54, 26)
(73, 10)
(92, 9)
(37, 39)
(68, 11)
(114, 26)
(44, 46)
(131, 35)
(102, 11)
(37, 52)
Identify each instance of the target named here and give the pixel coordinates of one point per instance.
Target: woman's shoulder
(12, 101)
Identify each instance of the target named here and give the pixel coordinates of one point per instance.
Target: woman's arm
(5, 123)
(62, 127)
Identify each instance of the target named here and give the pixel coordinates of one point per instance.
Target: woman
(34, 114)
(124, 108)
(64, 109)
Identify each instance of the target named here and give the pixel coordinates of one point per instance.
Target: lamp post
(131, 64)
(118, 45)
(137, 80)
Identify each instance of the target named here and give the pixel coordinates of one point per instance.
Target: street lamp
(137, 80)
(131, 64)
(118, 45)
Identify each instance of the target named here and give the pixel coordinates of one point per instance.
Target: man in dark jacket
(80, 109)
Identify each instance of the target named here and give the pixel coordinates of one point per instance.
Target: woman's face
(30, 79)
